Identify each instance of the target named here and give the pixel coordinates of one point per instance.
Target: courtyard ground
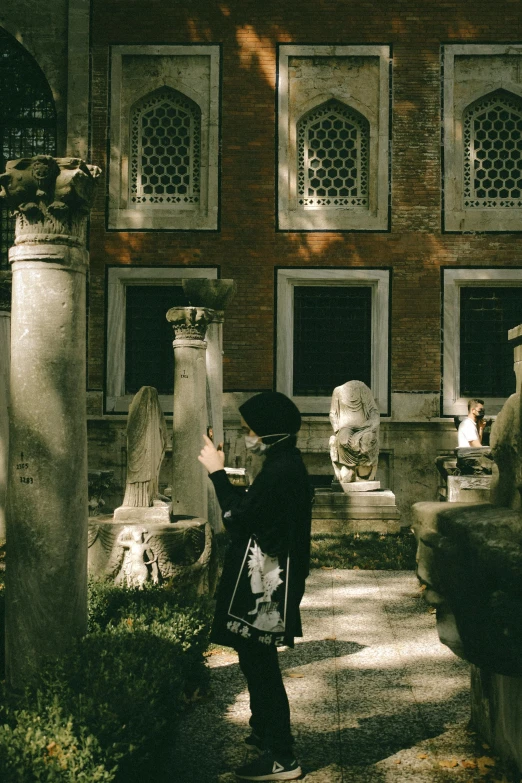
(375, 697)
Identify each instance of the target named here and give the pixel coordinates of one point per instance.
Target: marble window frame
(290, 216)
(123, 217)
(117, 280)
(453, 404)
(380, 282)
(455, 217)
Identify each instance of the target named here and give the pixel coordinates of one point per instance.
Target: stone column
(189, 418)
(5, 351)
(46, 570)
(215, 294)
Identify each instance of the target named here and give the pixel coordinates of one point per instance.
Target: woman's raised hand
(211, 458)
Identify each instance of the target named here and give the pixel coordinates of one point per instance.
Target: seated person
(471, 429)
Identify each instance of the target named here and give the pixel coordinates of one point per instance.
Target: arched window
(493, 152)
(165, 159)
(27, 118)
(332, 149)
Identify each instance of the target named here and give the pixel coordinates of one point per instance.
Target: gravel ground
(375, 697)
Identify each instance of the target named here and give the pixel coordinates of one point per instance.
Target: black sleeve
(254, 511)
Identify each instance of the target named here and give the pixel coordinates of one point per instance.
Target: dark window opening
(332, 338)
(27, 118)
(149, 356)
(486, 358)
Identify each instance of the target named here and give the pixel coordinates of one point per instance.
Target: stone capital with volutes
(190, 323)
(51, 199)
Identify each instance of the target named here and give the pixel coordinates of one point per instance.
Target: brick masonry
(248, 247)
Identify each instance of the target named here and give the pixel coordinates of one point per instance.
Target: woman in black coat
(264, 573)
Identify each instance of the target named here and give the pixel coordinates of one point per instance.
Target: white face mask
(255, 445)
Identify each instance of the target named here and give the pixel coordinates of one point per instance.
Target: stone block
(353, 525)
(360, 486)
(335, 512)
(469, 489)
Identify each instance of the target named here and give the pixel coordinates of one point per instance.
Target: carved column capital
(215, 294)
(50, 197)
(5, 291)
(190, 323)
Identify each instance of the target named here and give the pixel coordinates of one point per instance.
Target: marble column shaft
(190, 417)
(46, 577)
(47, 504)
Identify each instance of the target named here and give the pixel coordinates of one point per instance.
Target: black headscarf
(271, 413)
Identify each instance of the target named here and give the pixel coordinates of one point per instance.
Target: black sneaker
(255, 741)
(267, 767)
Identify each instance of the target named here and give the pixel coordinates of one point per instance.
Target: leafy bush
(119, 692)
(46, 746)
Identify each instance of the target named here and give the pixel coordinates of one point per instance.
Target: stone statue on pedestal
(143, 541)
(146, 441)
(354, 448)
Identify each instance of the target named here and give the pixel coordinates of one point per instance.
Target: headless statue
(146, 440)
(354, 448)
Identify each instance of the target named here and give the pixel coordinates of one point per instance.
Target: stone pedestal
(46, 570)
(5, 362)
(189, 418)
(142, 548)
(368, 512)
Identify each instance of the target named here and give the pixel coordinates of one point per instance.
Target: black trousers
(269, 706)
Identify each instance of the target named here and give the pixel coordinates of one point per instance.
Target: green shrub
(122, 687)
(47, 746)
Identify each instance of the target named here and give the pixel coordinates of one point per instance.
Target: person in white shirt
(472, 427)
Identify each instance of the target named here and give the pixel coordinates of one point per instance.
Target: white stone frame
(291, 216)
(453, 403)
(457, 218)
(118, 278)
(123, 216)
(379, 280)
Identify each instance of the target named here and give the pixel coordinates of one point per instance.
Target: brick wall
(248, 247)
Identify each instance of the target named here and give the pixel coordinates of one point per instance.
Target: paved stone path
(375, 697)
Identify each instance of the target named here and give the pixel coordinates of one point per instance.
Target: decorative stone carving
(50, 197)
(134, 570)
(355, 419)
(213, 294)
(190, 323)
(179, 552)
(146, 441)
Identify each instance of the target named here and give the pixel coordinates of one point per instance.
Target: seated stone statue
(354, 448)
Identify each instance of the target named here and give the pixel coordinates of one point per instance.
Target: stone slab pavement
(375, 697)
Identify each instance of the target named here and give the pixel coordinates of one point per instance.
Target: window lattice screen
(333, 143)
(165, 150)
(486, 358)
(493, 152)
(332, 337)
(27, 118)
